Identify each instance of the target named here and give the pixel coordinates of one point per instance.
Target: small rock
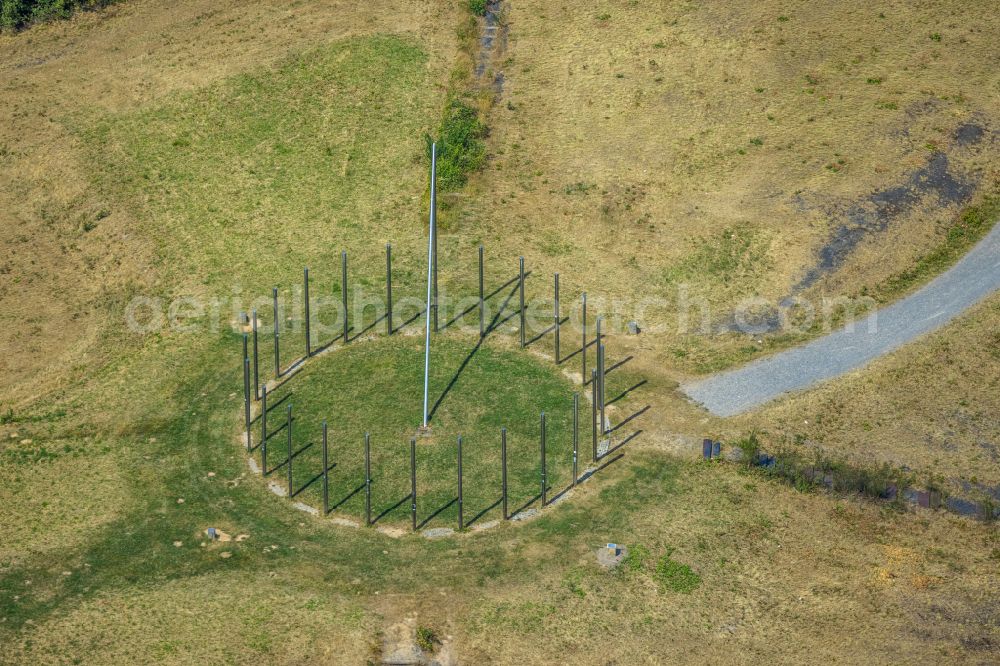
(26, 441)
(152, 440)
(178, 544)
(211, 474)
(633, 328)
(225, 554)
(67, 573)
(524, 515)
(180, 500)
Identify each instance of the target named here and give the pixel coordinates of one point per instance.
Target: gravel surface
(973, 278)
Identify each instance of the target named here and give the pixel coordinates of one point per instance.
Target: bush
(15, 14)
(461, 149)
(477, 7)
(426, 638)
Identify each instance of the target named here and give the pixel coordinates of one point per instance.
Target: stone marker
(611, 555)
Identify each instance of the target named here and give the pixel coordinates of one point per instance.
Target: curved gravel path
(973, 278)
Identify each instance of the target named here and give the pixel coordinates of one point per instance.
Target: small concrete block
(633, 328)
(609, 558)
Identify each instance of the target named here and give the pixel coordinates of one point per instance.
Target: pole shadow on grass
(339, 338)
(484, 511)
(629, 418)
(295, 455)
(438, 512)
(468, 358)
(348, 497)
(527, 504)
(270, 408)
(619, 446)
(619, 364)
(409, 321)
(367, 328)
(392, 508)
(625, 392)
(577, 352)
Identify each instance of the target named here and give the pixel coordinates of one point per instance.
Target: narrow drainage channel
(492, 41)
(857, 480)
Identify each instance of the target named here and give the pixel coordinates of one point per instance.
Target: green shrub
(461, 149)
(477, 7)
(676, 577)
(426, 638)
(16, 14)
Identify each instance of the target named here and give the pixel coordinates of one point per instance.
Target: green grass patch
(675, 576)
(376, 387)
(254, 177)
(461, 149)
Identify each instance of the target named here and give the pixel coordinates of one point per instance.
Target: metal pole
(289, 425)
(431, 289)
(263, 430)
(593, 409)
(600, 371)
(305, 297)
(583, 372)
(482, 298)
(388, 289)
(461, 522)
(277, 335)
(343, 294)
(434, 240)
(576, 434)
(520, 288)
(544, 484)
(556, 314)
(326, 475)
(368, 480)
(256, 374)
(413, 482)
(503, 470)
(246, 394)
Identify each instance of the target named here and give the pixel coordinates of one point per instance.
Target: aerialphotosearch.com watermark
(680, 313)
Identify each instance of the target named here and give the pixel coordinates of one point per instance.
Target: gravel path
(973, 278)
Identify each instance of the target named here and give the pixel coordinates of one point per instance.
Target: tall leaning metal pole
(413, 482)
(430, 288)
(555, 315)
(388, 289)
(256, 379)
(544, 484)
(434, 240)
(600, 381)
(583, 349)
(482, 297)
(503, 471)
(277, 335)
(343, 292)
(305, 299)
(326, 474)
(520, 289)
(368, 480)
(576, 434)
(461, 521)
(593, 409)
